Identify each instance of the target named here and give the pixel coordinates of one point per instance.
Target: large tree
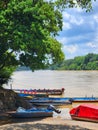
(27, 33)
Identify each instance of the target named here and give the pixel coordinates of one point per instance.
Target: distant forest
(88, 62)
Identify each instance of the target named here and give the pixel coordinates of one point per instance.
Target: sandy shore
(61, 121)
(51, 124)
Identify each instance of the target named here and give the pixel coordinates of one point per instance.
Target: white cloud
(92, 45)
(96, 37)
(73, 18)
(80, 32)
(66, 26)
(79, 10)
(63, 40)
(71, 48)
(73, 39)
(76, 20)
(96, 18)
(66, 15)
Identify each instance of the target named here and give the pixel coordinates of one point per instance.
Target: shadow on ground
(7, 120)
(41, 127)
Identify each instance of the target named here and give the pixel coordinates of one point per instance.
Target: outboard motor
(71, 100)
(51, 107)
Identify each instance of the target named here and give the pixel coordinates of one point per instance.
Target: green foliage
(88, 62)
(5, 74)
(27, 28)
(84, 4)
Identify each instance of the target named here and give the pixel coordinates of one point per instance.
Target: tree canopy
(28, 29)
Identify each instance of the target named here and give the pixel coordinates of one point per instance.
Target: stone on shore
(9, 101)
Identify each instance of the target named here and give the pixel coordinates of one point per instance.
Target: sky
(80, 32)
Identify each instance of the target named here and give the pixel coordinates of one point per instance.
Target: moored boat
(32, 96)
(34, 112)
(83, 99)
(85, 112)
(41, 91)
(50, 100)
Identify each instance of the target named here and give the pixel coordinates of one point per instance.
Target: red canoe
(87, 112)
(41, 91)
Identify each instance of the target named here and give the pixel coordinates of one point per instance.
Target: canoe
(85, 112)
(50, 100)
(55, 104)
(31, 96)
(83, 99)
(23, 113)
(38, 114)
(41, 91)
(34, 112)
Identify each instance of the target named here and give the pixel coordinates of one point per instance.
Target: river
(76, 83)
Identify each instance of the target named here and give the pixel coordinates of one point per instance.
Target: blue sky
(80, 32)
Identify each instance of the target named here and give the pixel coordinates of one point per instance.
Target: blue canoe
(84, 99)
(50, 100)
(34, 112)
(42, 112)
(62, 101)
(31, 95)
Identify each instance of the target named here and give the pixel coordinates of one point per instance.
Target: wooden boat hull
(83, 119)
(31, 114)
(52, 101)
(34, 112)
(31, 96)
(83, 99)
(54, 104)
(86, 112)
(41, 91)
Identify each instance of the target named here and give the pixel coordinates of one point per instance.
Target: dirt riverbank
(51, 124)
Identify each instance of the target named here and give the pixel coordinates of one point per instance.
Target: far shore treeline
(87, 62)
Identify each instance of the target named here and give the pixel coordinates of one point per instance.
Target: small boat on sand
(34, 112)
(85, 112)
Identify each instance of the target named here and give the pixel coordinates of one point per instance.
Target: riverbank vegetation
(88, 62)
